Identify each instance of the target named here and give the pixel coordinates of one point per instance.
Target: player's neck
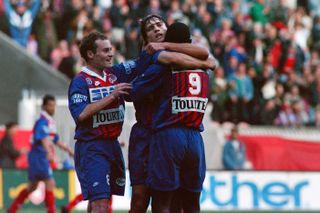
(98, 71)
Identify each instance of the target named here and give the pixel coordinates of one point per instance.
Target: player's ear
(90, 54)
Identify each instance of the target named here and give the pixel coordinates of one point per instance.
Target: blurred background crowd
(268, 50)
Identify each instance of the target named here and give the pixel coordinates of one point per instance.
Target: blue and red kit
(176, 150)
(98, 158)
(39, 165)
(140, 135)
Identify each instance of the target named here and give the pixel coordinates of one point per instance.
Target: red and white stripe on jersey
(189, 94)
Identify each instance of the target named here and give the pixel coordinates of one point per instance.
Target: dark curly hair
(145, 21)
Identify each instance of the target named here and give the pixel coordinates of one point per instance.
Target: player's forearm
(182, 61)
(93, 108)
(188, 49)
(65, 148)
(46, 145)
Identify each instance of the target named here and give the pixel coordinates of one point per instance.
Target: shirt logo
(78, 98)
(98, 93)
(109, 116)
(97, 83)
(88, 80)
(188, 104)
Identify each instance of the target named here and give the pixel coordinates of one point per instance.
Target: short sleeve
(56, 138)
(126, 71)
(155, 56)
(78, 97)
(41, 130)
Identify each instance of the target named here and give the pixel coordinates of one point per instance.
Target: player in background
(43, 138)
(153, 29)
(176, 159)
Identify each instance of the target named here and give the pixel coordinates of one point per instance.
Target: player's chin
(160, 39)
(108, 64)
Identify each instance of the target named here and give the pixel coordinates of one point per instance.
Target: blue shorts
(100, 169)
(139, 142)
(176, 160)
(39, 167)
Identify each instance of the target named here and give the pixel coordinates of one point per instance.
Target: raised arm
(186, 48)
(35, 8)
(7, 7)
(183, 61)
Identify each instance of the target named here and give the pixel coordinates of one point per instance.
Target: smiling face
(155, 30)
(102, 57)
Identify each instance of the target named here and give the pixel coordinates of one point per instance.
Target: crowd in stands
(268, 50)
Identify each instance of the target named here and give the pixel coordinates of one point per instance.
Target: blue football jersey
(88, 87)
(181, 96)
(144, 107)
(45, 127)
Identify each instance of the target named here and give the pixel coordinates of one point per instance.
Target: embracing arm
(182, 61)
(189, 49)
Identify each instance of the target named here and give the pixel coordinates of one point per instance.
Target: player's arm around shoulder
(190, 49)
(183, 61)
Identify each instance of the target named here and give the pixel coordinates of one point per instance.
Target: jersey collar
(47, 116)
(90, 72)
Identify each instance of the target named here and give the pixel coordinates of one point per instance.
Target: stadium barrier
(268, 148)
(223, 190)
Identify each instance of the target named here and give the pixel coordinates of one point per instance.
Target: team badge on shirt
(88, 80)
(112, 78)
(97, 83)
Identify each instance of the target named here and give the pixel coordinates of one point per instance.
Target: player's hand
(153, 47)
(50, 156)
(70, 152)
(121, 89)
(212, 63)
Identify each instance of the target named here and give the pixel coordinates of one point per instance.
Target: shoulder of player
(41, 121)
(79, 79)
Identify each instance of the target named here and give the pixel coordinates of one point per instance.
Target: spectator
(283, 39)
(20, 19)
(286, 116)
(8, 153)
(219, 96)
(240, 94)
(268, 113)
(234, 152)
(259, 12)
